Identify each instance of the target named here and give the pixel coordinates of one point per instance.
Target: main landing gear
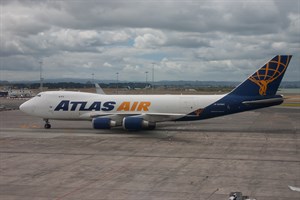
(47, 124)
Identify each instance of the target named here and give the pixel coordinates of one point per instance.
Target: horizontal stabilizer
(264, 101)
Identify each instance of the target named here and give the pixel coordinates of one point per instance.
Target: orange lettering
(144, 106)
(124, 106)
(133, 107)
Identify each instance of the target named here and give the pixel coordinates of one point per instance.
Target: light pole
(146, 87)
(41, 76)
(146, 77)
(117, 82)
(93, 78)
(153, 76)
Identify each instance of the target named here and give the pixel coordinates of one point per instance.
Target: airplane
(139, 88)
(22, 93)
(296, 189)
(139, 112)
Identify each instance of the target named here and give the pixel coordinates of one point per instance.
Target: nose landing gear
(47, 124)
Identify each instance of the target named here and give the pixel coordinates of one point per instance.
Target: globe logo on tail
(268, 73)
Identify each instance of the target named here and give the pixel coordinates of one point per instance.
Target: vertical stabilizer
(266, 80)
(99, 89)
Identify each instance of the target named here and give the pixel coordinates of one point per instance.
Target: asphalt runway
(256, 153)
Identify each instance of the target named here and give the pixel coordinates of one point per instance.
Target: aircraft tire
(47, 126)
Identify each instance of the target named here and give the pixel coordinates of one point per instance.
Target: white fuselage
(65, 105)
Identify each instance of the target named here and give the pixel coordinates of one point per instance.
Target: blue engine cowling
(137, 123)
(102, 123)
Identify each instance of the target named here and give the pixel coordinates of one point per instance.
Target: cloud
(106, 64)
(193, 40)
(150, 40)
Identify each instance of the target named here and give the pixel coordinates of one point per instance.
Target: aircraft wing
(160, 117)
(294, 188)
(152, 117)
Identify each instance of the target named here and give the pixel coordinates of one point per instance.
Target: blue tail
(266, 80)
(257, 91)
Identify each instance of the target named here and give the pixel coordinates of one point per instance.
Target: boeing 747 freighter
(137, 112)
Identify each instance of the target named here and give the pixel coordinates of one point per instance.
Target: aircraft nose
(27, 107)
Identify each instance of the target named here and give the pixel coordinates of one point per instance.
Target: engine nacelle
(137, 123)
(103, 123)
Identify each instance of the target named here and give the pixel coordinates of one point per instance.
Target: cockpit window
(38, 95)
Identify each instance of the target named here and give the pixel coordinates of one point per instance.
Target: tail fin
(266, 80)
(99, 89)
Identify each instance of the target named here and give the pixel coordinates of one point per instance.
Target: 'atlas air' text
(67, 105)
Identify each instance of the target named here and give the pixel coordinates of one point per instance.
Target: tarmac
(256, 153)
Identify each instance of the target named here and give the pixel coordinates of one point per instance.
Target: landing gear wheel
(47, 125)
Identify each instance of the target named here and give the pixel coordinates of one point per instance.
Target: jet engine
(103, 123)
(137, 123)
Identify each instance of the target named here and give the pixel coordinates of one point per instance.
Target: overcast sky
(187, 40)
